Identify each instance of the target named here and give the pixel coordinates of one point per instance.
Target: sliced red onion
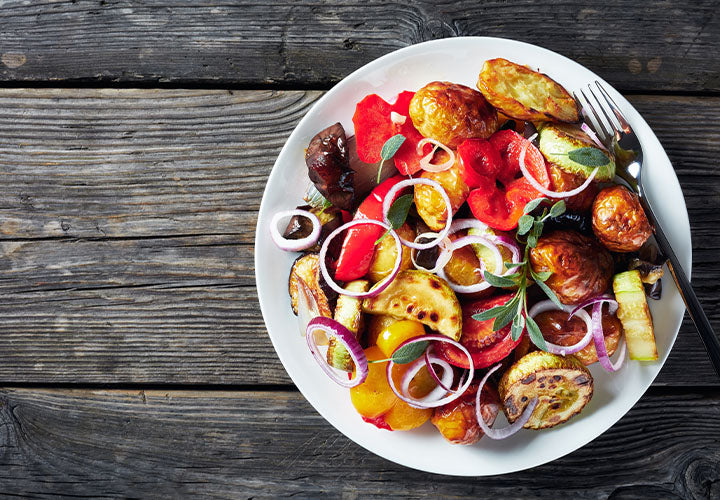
(390, 196)
(379, 287)
(397, 118)
(468, 240)
(612, 304)
(591, 133)
(444, 257)
(421, 403)
(460, 224)
(295, 245)
(437, 392)
(547, 192)
(498, 239)
(549, 305)
(334, 329)
(426, 161)
(510, 429)
(599, 339)
(511, 245)
(429, 360)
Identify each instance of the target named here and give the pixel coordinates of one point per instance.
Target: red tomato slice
(486, 347)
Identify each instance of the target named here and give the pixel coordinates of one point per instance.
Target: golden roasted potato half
(619, 221)
(430, 204)
(524, 94)
(451, 113)
(562, 385)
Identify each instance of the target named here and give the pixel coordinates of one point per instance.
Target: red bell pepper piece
(479, 160)
(374, 126)
(501, 208)
(359, 245)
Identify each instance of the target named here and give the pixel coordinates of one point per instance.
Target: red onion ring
(416, 403)
(498, 239)
(379, 287)
(591, 133)
(429, 362)
(511, 245)
(551, 194)
(437, 392)
(510, 429)
(460, 224)
(397, 118)
(425, 161)
(390, 196)
(599, 339)
(612, 303)
(549, 305)
(295, 245)
(444, 257)
(334, 329)
(464, 241)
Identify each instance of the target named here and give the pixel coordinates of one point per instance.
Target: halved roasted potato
(524, 94)
(562, 385)
(430, 204)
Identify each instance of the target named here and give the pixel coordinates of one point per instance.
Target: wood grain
(271, 444)
(127, 222)
(640, 46)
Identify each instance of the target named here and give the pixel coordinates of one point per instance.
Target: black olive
(508, 125)
(529, 131)
(570, 220)
(427, 258)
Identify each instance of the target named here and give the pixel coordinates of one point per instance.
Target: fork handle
(695, 310)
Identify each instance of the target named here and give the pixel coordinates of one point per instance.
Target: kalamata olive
(570, 220)
(508, 125)
(619, 221)
(428, 257)
(330, 219)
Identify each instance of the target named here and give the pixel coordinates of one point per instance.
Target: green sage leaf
(532, 205)
(535, 334)
(499, 281)
(541, 276)
(391, 146)
(518, 325)
(504, 318)
(398, 211)
(589, 156)
(557, 209)
(524, 224)
(489, 313)
(409, 353)
(551, 295)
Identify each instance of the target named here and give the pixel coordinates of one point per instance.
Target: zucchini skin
(634, 314)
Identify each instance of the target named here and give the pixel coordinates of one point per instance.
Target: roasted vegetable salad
(468, 253)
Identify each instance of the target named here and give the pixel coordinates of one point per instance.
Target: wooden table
(135, 142)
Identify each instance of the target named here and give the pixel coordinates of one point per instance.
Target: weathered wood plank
(232, 444)
(92, 180)
(654, 45)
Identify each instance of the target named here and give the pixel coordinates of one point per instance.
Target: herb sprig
(388, 150)
(397, 213)
(406, 354)
(515, 310)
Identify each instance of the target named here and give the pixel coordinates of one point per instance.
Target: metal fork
(613, 130)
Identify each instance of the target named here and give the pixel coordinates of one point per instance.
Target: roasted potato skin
(428, 202)
(581, 268)
(502, 83)
(566, 181)
(451, 113)
(618, 220)
(457, 421)
(386, 252)
(556, 328)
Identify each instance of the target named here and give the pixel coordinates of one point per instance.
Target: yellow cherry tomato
(397, 333)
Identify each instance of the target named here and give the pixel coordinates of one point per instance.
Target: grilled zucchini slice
(562, 385)
(348, 312)
(634, 314)
(420, 296)
(558, 139)
(307, 268)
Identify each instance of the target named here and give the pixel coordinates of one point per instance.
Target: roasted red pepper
(480, 160)
(502, 207)
(374, 126)
(359, 244)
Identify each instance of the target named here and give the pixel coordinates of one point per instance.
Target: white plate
(457, 60)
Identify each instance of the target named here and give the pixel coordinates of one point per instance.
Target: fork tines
(609, 122)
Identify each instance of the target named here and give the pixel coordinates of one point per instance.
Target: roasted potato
(430, 205)
(451, 113)
(385, 253)
(556, 328)
(619, 221)
(457, 421)
(566, 181)
(524, 94)
(580, 267)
